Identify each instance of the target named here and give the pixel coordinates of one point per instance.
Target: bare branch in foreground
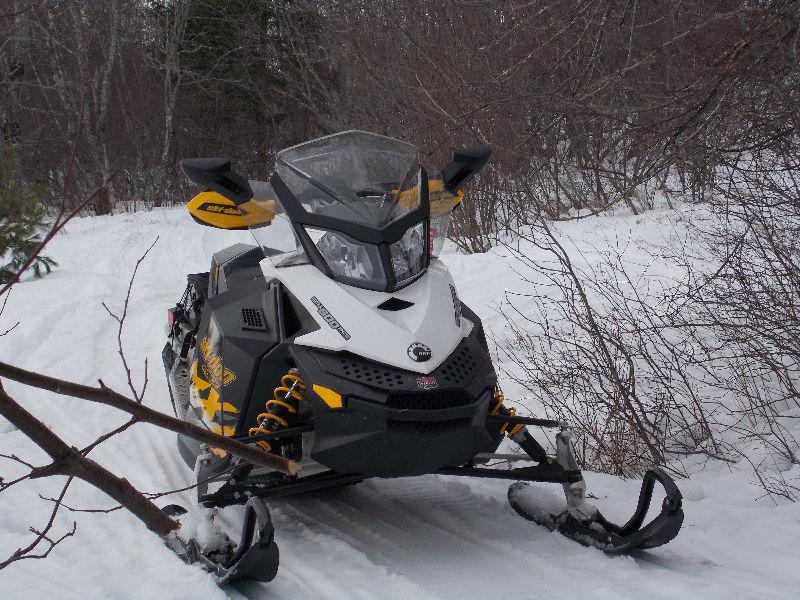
(71, 462)
(107, 396)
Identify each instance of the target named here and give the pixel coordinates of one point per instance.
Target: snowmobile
(346, 349)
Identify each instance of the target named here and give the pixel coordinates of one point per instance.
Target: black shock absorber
(282, 408)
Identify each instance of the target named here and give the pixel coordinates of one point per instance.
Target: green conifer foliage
(21, 220)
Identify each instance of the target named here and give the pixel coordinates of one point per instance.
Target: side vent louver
(253, 319)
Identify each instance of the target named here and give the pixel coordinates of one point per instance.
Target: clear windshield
(278, 237)
(360, 178)
(356, 176)
(347, 257)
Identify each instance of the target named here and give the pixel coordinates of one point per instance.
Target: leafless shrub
(707, 362)
(587, 106)
(749, 307)
(601, 351)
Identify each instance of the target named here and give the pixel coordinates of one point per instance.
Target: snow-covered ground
(422, 537)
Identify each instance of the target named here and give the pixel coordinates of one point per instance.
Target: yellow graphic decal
(215, 210)
(213, 369)
(214, 410)
(329, 397)
(226, 430)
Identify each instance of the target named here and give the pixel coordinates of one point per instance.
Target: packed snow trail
(425, 537)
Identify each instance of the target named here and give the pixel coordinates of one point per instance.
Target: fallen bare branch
(107, 396)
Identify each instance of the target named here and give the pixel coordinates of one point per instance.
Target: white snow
(422, 537)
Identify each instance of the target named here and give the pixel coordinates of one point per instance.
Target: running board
(588, 526)
(237, 492)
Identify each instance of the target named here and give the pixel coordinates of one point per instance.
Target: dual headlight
(360, 263)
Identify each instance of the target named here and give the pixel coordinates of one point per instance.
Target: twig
(69, 461)
(149, 495)
(121, 321)
(2, 309)
(16, 458)
(24, 553)
(108, 435)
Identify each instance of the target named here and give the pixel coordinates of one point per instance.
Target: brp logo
(419, 352)
(427, 383)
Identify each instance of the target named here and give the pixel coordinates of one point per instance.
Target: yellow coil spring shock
(285, 403)
(509, 412)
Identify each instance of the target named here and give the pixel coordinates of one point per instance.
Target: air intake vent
(363, 372)
(461, 367)
(395, 304)
(428, 426)
(252, 318)
(427, 400)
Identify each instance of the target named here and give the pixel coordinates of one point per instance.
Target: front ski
(576, 518)
(257, 554)
(586, 525)
(255, 557)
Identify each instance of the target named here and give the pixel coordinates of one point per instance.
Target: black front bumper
(396, 423)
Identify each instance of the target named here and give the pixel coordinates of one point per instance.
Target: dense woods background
(588, 104)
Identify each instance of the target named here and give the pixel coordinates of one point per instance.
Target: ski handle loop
(252, 560)
(672, 503)
(248, 531)
(662, 528)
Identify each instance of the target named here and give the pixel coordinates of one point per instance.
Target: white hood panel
(380, 335)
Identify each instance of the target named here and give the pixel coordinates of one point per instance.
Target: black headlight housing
(384, 258)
